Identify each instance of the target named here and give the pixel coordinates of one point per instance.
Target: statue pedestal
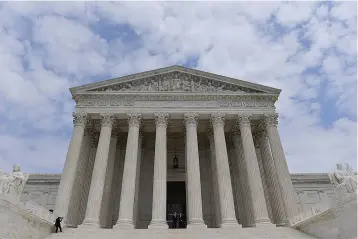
(338, 220)
(18, 221)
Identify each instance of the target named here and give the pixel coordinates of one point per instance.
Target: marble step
(210, 233)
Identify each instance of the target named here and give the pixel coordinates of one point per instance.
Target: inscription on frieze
(175, 104)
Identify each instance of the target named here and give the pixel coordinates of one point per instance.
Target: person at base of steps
(58, 224)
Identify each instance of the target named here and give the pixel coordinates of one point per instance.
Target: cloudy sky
(307, 49)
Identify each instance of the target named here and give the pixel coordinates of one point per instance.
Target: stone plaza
(177, 140)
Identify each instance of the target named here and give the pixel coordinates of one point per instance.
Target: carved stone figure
(153, 86)
(186, 86)
(3, 182)
(15, 182)
(344, 179)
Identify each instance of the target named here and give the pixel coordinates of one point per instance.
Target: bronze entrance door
(176, 204)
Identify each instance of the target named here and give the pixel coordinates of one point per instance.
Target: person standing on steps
(175, 219)
(181, 220)
(58, 224)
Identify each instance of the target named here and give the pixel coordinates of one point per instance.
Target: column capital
(229, 140)
(270, 119)
(115, 131)
(161, 119)
(134, 119)
(217, 119)
(107, 119)
(95, 138)
(141, 133)
(80, 119)
(261, 133)
(89, 130)
(209, 133)
(191, 118)
(244, 119)
(236, 131)
(256, 138)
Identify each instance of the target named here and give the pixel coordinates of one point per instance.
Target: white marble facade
(128, 130)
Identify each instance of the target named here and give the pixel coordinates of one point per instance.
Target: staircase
(210, 233)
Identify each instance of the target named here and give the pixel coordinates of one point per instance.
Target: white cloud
(267, 43)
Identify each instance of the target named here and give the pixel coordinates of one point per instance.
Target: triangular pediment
(175, 79)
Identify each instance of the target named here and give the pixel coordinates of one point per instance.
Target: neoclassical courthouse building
(176, 140)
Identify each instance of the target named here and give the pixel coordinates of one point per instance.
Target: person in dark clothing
(58, 224)
(175, 219)
(181, 220)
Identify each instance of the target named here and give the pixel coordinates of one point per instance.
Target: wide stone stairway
(210, 233)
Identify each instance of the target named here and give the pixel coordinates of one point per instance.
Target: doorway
(176, 203)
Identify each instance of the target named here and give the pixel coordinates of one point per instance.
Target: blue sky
(307, 49)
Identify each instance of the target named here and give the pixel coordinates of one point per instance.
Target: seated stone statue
(344, 179)
(13, 183)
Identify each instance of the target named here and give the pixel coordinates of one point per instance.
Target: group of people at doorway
(178, 220)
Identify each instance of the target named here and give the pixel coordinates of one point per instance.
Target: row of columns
(253, 204)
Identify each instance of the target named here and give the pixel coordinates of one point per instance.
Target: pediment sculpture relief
(344, 180)
(175, 82)
(13, 183)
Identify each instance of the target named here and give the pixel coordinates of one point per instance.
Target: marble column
(77, 192)
(227, 206)
(193, 186)
(235, 178)
(247, 220)
(260, 213)
(278, 210)
(126, 205)
(216, 205)
(263, 178)
(138, 177)
(283, 175)
(106, 221)
(160, 173)
(88, 175)
(69, 171)
(95, 196)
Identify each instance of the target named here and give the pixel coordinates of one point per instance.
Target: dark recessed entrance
(176, 203)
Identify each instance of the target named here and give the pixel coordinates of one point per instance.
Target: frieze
(174, 101)
(184, 104)
(175, 82)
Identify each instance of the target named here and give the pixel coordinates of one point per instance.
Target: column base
(282, 224)
(196, 223)
(90, 223)
(264, 222)
(69, 225)
(249, 225)
(124, 224)
(158, 224)
(229, 223)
